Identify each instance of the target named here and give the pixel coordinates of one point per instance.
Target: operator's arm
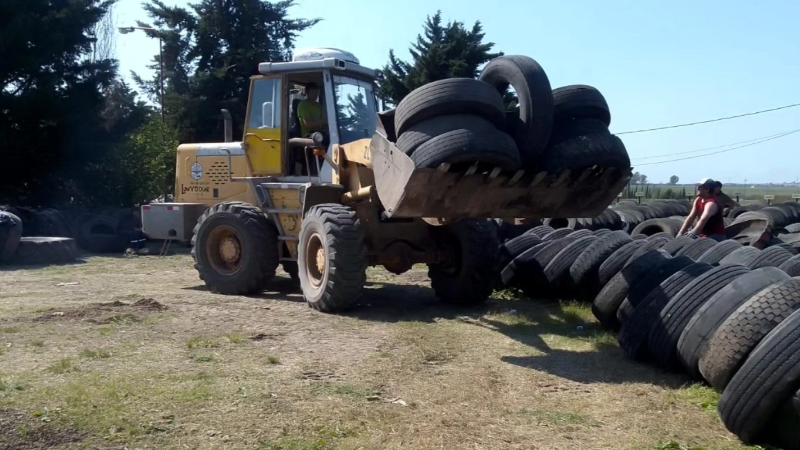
(689, 219)
(708, 211)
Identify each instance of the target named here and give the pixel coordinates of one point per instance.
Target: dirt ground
(117, 353)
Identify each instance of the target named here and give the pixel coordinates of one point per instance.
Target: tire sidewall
(312, 225)
(203, 233)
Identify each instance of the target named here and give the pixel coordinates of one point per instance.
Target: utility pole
(126, 30)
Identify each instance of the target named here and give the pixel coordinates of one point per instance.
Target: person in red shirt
(708, 213)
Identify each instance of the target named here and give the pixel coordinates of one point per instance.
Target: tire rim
(315, 260)
(224, 250)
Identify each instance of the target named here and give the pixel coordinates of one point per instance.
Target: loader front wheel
(235, 249)
(332, 257)
(466, 277)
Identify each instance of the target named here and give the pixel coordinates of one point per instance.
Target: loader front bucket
(407, 191)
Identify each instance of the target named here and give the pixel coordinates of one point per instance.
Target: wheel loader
(327, 205)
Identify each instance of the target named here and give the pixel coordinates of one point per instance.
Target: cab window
(355, 108)
(265, 103)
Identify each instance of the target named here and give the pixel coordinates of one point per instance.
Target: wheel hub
(224, 249)
(230, 249)
(315, 260)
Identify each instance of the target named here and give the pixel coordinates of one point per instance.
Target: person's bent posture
(708, 213)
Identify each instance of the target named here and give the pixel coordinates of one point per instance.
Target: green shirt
(310, 111)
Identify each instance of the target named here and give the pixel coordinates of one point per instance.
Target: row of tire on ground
(722, 312)
(464, 122)
(49, 236)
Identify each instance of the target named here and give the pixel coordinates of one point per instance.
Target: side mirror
(267, 115)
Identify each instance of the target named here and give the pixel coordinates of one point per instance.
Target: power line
(712, 148)
(711, 120)
(726, 150)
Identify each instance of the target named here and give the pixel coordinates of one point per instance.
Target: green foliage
(147, 162)
(442, 51)
(673, 180)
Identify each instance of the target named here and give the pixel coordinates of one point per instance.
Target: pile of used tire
(463, 122)
(722, 312)
(50, 236)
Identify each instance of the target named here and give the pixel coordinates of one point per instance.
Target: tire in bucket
(535, 97)
(603, 150)
(464, 147)
(332, 257)
(580, 101)
(44, 250)
(436, 126)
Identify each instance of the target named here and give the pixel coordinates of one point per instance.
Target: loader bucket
(407, 191)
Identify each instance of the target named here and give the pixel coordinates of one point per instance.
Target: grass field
(135, 353)
(747, 194)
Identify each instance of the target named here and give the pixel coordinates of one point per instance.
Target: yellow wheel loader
(331, 202)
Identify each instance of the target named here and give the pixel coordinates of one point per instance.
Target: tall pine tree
(442, 51)
(211, 50)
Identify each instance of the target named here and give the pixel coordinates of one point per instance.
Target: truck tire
(653, 226)
(99, 235)
(602, 232)
(515, 247)
(648, 282)
(585, 271)
(662, 343)
(559, 223)
(649, 244)
(716, 253)
(610, 298)
(535, 96)
(428, 129)
(677, 244)
(332, 257)
(579, 101)
(522, 266)
(44, 250)
(586, 151)
(770, 257)
(745, 328)
(235, 249)
(540, 230)
(557, 271)
(693, 342)
(557, 234)
(792, 228)
(467, 278)
(769, 376)
(617, 260)
(564, 129)
(791, 266)
(742, 256)
(447, 97)
(696, 249)
(633, 334)
(10, 234)
(464, 147)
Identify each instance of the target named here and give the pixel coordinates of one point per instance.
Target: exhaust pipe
(226, 117)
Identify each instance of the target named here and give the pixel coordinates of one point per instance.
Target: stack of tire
(627, 216)
(779, 216)
(19, 249)
(463, 122)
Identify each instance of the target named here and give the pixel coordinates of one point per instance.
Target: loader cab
(347, 98)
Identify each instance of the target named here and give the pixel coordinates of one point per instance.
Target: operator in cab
(708, 213)
(311, 113)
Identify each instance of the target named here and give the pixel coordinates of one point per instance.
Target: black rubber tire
(634, 333)
(649, 244)
(610, 298)
(557, 271)
(44, 250)
(291, 269)
(541, 230)
(792, 228)
(743, 256)
(557, 234)
(770, 257)
(428, 129)
(661, 234)
(10, 234)
(716, 253)
(617, 260)
(647, 283)
(662, 343)
(469, 278)
(515, 247)
(677, 244)
(791, 266)
(584, 272)
(535, 97)
(522, 266)
(447, 97)
(583, 152)
(259, 245)
(335, 230)
(792, 249)
(693, 342)
(739, 334)
(696, 249)
(653, 226)
(564, 129)
(558, 223)
(533, 282)
(464, 147)
(602, 232)
(579, 101)
(769, 376)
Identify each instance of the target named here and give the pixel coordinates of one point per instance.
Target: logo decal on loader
(197, 171)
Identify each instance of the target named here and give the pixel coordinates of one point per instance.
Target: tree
(211, 50)
(148, 162)
(673, 180)
(442, 51)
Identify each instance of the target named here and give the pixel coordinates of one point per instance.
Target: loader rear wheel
(332, 257)
(235, 249)
(466, 276)
(10, 234)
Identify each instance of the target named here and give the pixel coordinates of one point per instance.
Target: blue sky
(657, 63)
